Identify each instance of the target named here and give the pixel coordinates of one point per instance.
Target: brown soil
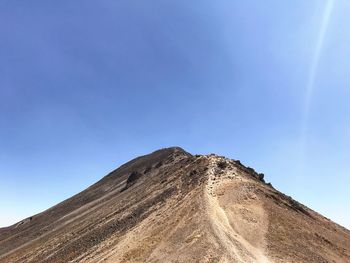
(170, 206)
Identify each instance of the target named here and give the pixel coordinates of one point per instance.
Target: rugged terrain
(171, 206)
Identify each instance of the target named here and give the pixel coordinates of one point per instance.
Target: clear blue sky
(87, 85)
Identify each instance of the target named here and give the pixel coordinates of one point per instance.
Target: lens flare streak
(310, 86)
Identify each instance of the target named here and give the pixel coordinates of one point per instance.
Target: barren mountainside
(171, 206)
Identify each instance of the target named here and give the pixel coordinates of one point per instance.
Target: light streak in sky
(311, 82)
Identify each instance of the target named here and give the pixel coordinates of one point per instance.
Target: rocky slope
(170, 206)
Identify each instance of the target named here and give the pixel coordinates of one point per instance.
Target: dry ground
(170, 206)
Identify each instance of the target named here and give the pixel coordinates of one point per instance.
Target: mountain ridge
(172, 206)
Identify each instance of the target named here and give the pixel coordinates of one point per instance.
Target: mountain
(171, 206)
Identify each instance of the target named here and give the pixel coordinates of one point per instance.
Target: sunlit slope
(170, 206)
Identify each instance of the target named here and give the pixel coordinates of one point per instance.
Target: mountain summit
(171, 206)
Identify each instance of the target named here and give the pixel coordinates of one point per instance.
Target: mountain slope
(170, 206)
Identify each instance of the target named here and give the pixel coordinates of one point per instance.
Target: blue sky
(87, 85)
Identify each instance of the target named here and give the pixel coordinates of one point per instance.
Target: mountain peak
(171, 206)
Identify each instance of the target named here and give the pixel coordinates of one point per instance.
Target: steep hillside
(171, 206)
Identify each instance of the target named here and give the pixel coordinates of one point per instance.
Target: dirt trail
(238, 249)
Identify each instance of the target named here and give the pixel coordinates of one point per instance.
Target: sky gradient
(87, 85)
